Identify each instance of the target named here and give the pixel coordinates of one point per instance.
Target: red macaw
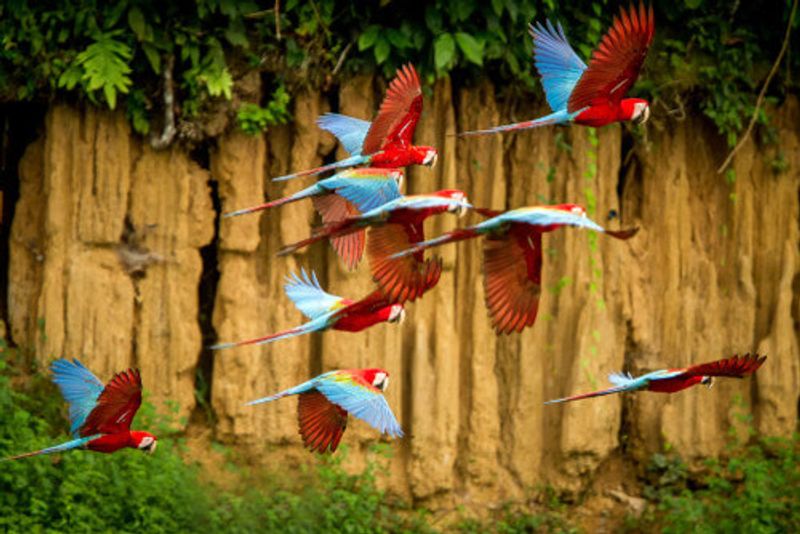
(672, 380)
(100, 416)
(593, 95)
(327, 311)
(324, 402)
(342, 195)
(387, 141)
(394, 227)
(512, 257)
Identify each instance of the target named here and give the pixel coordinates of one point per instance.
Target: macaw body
(387, 141)
(325, 402)
(326, 311)
(512, 257)
(674, 380)
(590, 95)
(100, 416)
(394, 227)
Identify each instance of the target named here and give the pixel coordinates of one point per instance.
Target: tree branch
(168, 134)
(762, 94)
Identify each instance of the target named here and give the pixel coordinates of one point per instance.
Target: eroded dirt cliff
(106, 266)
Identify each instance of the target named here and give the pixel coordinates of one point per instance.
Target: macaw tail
(623, 234)
(450, 237)
(352, 161)
(69, 445)
(559, 117)
(609, 391)
(300, 195)
(326, 231)
(262, 340)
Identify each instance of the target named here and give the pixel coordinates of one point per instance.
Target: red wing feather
(321, 422)
(333, 208)
(116, 405)
(737, 366)
(398, 114)
(512, 266)
(616, 62)
(402, 279)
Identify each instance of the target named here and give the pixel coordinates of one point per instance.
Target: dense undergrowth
(757, 488)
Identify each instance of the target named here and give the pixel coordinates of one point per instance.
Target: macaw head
(396, 313)
(429, 155)
(708, 381)
(461, 204)
(379, 378)
(575, 209)
(638, 110)
(144, 441)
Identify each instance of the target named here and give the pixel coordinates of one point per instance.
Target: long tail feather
(267, 205)
(450, 237)
(261, 340)
(69, 445)
(327, 231)
(609, 391)
(347, 162)
(559, 117)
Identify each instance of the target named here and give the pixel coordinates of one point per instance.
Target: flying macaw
(394, 227)
(512, 257)
(324, 402)
(100, 416)
(593, 95)
(342, 195)
(672, 380)
(327, 311)
(385, 142)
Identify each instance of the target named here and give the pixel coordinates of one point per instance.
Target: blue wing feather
(79, 387)
(361, 402)
(542, 216)
(305, 292)
(559, 66)
(415, 202)
(364, 193)
(350, 131)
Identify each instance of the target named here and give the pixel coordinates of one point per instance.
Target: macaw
(672, 380)
(385, 142)
(100, 416)
(327, 311)
(593, 95)
(394, 227)
(324, 402)
(512, 257)
(345, 194)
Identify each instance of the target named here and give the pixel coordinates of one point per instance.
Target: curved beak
(643, 116)
(430, 159)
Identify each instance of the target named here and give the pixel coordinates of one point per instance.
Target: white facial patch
(380, 381)
(641, 112)
(430, 158)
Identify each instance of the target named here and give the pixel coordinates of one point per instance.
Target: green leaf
(444, 49)
(237, 35)
(105, 65)
(137, 23)
(367, 39)
(472, 48)
(153, 56)
(382, 49)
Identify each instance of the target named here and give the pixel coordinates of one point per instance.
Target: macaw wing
(305, 292)
(369, 304)
(322, 423)
(559, 66)
(116, 406)
(737, 366)
(616, 62)
(404, 278)
(398, 115)
(349, 247)
(348, 130)
(369, 193)
(512, 264)
(546, 216)
(362, 400)
(79, 387)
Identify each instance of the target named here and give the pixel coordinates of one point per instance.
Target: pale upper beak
(643, 116)
(430, 159)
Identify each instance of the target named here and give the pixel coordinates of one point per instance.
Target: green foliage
(129, 491)
(254, 119)
(756, 489)
(708, 53)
